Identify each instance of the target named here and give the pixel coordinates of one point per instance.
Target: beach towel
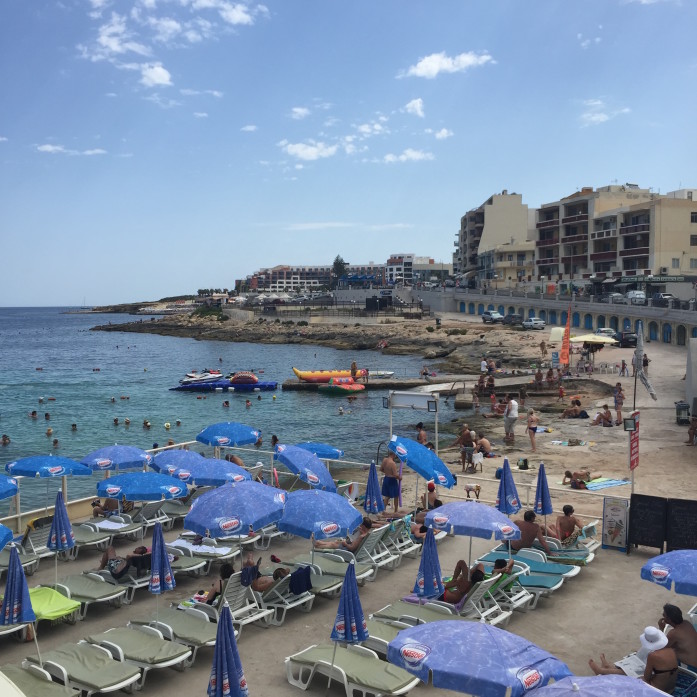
(300, 581)
(604, 483)
(543, 429)
(571, 442)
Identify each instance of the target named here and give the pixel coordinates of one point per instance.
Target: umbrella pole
(56, 556)
(329, 678)
(469, 555)
(36, 641)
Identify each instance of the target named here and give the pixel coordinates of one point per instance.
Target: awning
(610, 280)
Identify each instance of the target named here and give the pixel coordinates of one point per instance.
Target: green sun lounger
(359, 670)
(334, 566)
(87, 589)
(142, 646)
(89, 668)
(49, 604)
(32, 682)
(88, 536)
(28, 560)
(380, 635)
(403, 613)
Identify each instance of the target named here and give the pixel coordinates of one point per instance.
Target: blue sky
(153, 147)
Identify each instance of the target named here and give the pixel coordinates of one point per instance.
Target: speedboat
(204, 375)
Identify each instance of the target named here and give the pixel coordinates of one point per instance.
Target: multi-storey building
(400, 268)
(294, 278)
(507, 264)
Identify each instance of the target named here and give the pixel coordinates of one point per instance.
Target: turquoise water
(143, 367)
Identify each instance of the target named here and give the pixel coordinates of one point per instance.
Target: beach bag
(523, 463)
(498, 473)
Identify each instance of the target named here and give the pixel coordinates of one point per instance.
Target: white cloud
(114, 39)
(586, 42)
(163, 102)
(166, 29)
(409, 155)
(430, 66)
(367, 130)
(154, 74)
(250, 128)
(192, 93)
(597, 112)
(3, 139)
(61, 150)
(443, 134)
(200, 115)
(415, 107)
(96, 151)
(299, 112)
(309, 151)
(235, 13)
(52, 149)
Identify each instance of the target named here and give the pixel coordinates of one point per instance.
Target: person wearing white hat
(659, 661)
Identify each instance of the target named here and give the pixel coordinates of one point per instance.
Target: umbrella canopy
(592, 339)
(599, 686)
(114, 457)
(141, 486)
(422, 460)
(306, 465)
(8, 487)
(161, 576)
(543, 501)
(211, 472)
(46, 466)
(673, 569)
(5, 535)
(233, 509)
(168, 461)
(474, 658)
(474, 519)
(227, 677)
(229, 433)
(16, 604)
(60, 537)
(349, 626)
(324, 451)
(323, 514)
(507, 500)
(429, 582)
(373, 502)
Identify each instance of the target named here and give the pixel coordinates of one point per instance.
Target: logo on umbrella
(414, 654)
(184, 475)
(238, 478)
(401, 450)
(155, 581)
(10, 466)
(506, 529)
(148, 458)
(660, 573)
(512, 500)
(340, 626)
(56, 470)
(329, 529)
(222, 440)
(312, 478)
(170, 469)
(103, 464)
(279, 498)
(529, 678)
(229, 524)
(420, 582)
(440, 521)
(174, 490)
(442, 478)
(280, 448)
(113, 490)
(12, 481)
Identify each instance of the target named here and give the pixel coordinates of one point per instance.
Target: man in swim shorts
(390, 482)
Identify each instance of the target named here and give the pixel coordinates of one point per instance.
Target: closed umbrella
(507, 500)
(474, 658)
(168, 461)
(306, 466)
(599, 686)
(373, 502)
(227, 676)
(229, 434)
(115, 457)
(211, 472)
(543, 501)
(429, 581)
(674, 570)
(142, 486)
(60, 536)
(161, 576)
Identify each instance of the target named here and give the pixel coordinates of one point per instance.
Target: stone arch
(543, 315)
(614, 323)
(511, 310)
(626, 324)
(552, 316)
(480, 309)
(490, 307)
(681, 335)
(470, 309)
(600, 321)
(653, 331)
(531, 313)
(667, 333)
(588, 321)
(576, 320)
(502, 310)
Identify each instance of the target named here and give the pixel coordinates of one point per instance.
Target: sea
(51, 362)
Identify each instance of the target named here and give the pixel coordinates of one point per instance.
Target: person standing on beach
(532, 427)
(645, 365)
(422, 436)
(510, 417)
(619, 403)
(543, 348)
(391, 480)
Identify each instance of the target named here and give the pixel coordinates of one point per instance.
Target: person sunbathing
(260, 583)
(429, 501)
(682, 638)
(529, 532)
(572, 412)
(583, 476)
(119, 566)
(226, 570)
(462, 581)
(351, 544)
(483, 446)
(603, 418)
(566, 527)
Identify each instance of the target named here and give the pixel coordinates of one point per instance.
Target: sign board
(652, 279)
(615, 515)
(422, 401)
(634, 443)
(647, 520)
(555, 359)
(681, 524)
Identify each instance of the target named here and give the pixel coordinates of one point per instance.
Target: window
(510, 257)
(693, 217)
(693, 240)
(675, 263)
(693, 263)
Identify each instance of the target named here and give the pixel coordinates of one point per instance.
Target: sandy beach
(603, 609)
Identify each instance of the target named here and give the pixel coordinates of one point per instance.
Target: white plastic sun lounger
(30, 682)
(279, 599)
(88, 589)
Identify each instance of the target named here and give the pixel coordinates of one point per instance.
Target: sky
(150, 148)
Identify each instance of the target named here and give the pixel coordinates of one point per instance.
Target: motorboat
(204, 375)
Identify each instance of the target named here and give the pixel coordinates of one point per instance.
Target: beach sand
(603, 609)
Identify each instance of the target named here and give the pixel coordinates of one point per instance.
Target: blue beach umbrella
(141, 486)
(306, 465)
(227, 676)
(323, 514)
(233, 509)
(422, 460)
(474, 658)
(543, 501)
(507, 500)
(373, 502)
(46, 466)
(211, 472)
(229, 434)
(16, 603)
(60, 536)
(168, 461)
(598, 686)
(115, 457)
(5, 536)
(161, 576)
(673, 570)
(8, 487)
(429, 581)
(324, 451)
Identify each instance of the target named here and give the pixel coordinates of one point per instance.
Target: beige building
(507, 264)
(499, 219)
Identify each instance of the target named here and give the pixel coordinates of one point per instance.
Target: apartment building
(284, 278)
(400, 268)
(507, 264)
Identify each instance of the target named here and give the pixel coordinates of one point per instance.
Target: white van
(636, 297)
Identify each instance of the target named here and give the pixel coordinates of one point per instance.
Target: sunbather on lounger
(226, 570)
(259, 583)
(107, 508)
(355, 541)
(529, 532)
(463, 579)
(118, 566)
(682, 638)
(566, 527)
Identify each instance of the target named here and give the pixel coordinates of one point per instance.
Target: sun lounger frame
(114, 598)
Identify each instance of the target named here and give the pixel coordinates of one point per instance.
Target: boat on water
(225, 385)
(323, 376)
(204, 375)
(340, 386)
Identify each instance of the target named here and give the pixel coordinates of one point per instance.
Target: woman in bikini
(532, 427)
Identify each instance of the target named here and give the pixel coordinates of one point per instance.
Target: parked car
(513, 319)
(613, 298)
(625, 339)
(636, 297)
(449, 283)
(534, 323)
(662, 299)
(606, 331)
(492, 316)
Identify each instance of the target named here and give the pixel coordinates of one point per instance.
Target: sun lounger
(322, 584)
(527, 554)
(375, 552)
(380, 635)
(535, 565)
(189, 626)
(357, 668)
(142, 646)
(279, 599)
(128, 581)
(28, 560)
(147, 515)
(36, 539)
(399, 539)
(49, 604)
(177, 509)
(89, 588)
(118, 526)
(581, 557)
(539, 585)
(209, 550)
(686, 684)
(510, 594)
(87, 535)
(186, 562)
(266, 534)
(31, 682)
(480, 605)
(330, 564)
(402, 613)
(89, 668)
(7, 629)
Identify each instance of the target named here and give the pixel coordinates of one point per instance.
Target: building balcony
(456, 244)
(579, 218)
(574, 259)
(553, 261)
(635, 252)
(633, 229)
(547, 243)
(574, 238)
(604, 234)
(604, 256)
(547, 223)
